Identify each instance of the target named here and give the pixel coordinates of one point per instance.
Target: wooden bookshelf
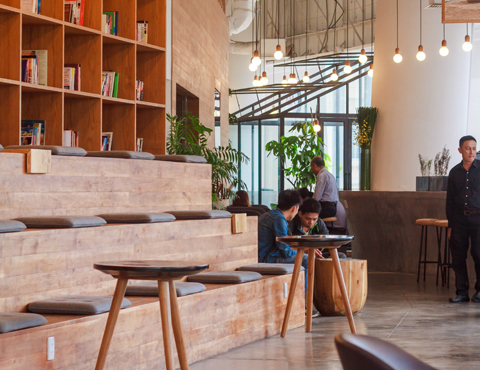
(86, 111)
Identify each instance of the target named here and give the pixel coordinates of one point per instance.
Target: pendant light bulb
(443, 50)
(420, 54)
(467, 45)
(397, 58)
(363, 57)
(292, 79)
(306, 78)
(255, 81)
(256, 58)
(316, 125)
(252, 67)
(278, 53)
(284, 81)
(370, 71)
(347, 69)
(264, 79)
(334, 76)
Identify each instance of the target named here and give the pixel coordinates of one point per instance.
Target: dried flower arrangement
(425, 165)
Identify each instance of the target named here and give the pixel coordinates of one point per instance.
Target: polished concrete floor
(416, 317)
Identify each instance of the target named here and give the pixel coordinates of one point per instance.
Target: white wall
(422, 105)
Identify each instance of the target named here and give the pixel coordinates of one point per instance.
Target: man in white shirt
(326, 191)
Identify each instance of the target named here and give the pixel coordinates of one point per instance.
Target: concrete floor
(416, 317)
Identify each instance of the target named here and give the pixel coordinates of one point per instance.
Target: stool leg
(310, 282)
(425, 254)
(420, 256)
(449, 256)
(439, 246)
(177, 327)
(165, 316)
(291, 293)
(111, 321)
(343, 289)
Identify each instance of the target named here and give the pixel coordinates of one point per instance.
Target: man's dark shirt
(463, 192)
(318, 229)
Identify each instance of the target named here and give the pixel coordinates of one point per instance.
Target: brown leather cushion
(441, 223)
(426, 221)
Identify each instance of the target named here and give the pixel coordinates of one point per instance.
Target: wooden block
(38, 160)
(239, 223)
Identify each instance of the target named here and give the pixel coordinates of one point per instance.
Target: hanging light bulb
(284, 81)
(292, 79)
(467, 45)
(443, 50)
(421, 55)
(264, 79)
(252, 66)
(363, 57)
(397, 58)
(306, 78)
(255, 81)
(316, 125)
(256, 58)
(278, 54)
(370, 71)
(334, 76)
(347, 69)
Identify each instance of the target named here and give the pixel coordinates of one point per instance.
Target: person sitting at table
(241, 199)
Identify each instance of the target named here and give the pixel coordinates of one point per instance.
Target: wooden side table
(165, 272)
(309, 243)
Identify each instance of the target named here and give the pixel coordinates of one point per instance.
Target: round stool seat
(150, 270)
(426, 221)
(329, 219)
(441, 223)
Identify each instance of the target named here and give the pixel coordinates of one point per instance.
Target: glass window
(249, 171)
(334, 147)
(289, 122)
(270, 163)
(334, 102)
(218, 131)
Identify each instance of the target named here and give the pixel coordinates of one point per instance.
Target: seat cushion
(56, 149)
(181, 158)
(150, 288)
(75, 305)
(126, 154)
(1, 147)
(10, 226)
(11, 321)
(225, 277)
(248, 210)
(269, 268)
(426, 221)
(45, 222)
(198, 215)
(136, 218)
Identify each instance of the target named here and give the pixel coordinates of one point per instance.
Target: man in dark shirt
(463, 213)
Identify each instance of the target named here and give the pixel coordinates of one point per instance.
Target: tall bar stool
(425, 223)
(447, 263)
(165, 272)
(331, 220)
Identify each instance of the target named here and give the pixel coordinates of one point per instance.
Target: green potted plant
(363, 134)
(189, 137)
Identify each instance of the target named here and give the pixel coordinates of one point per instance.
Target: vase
(365, 157)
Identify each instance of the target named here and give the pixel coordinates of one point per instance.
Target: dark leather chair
(265, 208)
(248, 210)
(361, 352)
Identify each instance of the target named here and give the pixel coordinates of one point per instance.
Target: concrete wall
(200, 57)
(422, 105)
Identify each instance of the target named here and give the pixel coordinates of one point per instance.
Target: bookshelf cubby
(86, 111)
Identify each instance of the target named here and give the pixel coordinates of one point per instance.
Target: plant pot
(365, 157)
(438, 183)
(422, 183)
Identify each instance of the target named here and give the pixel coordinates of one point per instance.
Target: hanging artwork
(461, 11)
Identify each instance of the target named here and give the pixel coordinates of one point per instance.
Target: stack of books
(34, 66)
(142, 31)
(110, 23)
(70, 138)
(31, 6)
(107, 138)
(139, 90)
(74, 11)
(110, 84)
(139, 144)
(32, 132)
(72, 77)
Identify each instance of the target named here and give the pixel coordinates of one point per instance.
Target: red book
(82, 11)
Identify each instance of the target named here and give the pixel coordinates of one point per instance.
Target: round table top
(315, 241)
(150, 269)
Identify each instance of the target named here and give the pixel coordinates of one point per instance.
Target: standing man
(463, 213)
(326, 191)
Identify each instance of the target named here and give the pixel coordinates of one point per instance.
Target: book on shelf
(110, 23)
(34, 66)
(32, 132)
(32, 6)
(110, 84)
(72, 77)
(142, 31)
(70, 138)
(139, 144)
(139, 90)
(107, 138)
(74, 11)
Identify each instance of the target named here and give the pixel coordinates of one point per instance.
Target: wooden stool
(165, 272)
(327, 296)
(446, 265)
(329, 219)
(425, 223)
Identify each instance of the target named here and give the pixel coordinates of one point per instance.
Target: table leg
(310, 282)
(343, 289)
(177, 328)
(165, 316)
(111, 321)
(291, 293)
